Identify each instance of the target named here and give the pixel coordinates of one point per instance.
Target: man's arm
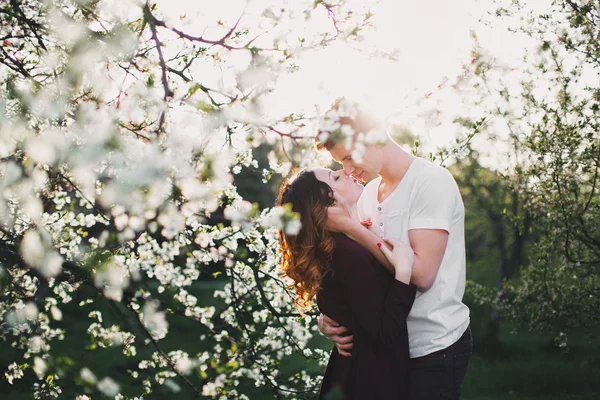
(336, 333)
(429, 246)
(436, 204)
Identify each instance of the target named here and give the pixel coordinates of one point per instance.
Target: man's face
(364, 171)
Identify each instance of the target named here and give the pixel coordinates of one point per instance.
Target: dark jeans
(439, 375)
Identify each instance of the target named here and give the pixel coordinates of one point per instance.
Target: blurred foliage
(131, 265)
(543, 208)
(91, 138)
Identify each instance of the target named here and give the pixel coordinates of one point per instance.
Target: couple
(403, 335)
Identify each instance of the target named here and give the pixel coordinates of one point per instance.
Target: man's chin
(364, 177)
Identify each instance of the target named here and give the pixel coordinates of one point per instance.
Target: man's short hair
(361, 122)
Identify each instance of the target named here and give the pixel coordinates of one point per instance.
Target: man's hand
(334, 332)
(339, 218)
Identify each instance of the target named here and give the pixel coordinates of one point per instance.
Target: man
(415, 201)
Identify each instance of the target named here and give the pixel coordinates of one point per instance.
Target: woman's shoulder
(352, 262)
(343, 242)
(347, 250)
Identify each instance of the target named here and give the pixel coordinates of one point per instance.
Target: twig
(162, 353)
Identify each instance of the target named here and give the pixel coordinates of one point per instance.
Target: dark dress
(361, 295)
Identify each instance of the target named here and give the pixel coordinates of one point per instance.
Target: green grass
(523, 366)
(527, 366)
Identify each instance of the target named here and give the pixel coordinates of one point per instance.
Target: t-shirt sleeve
(380, 311)
(435, 201)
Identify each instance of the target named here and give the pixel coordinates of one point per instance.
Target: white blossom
(154, 320)
(36, 344)
(112, 278)
(105, 173)
(88, 376)
(39, 367)
(293, 227)
(13, 373)
(108, 387)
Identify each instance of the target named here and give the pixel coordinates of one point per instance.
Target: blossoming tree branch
(126, 128)
(121, 128)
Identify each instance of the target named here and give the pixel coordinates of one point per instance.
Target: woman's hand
(367, 222)
(339, 216)
(401, 256)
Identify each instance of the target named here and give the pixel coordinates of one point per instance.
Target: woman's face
(345, 186)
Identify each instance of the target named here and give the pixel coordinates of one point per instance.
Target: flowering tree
(121, 126)
(542, 117)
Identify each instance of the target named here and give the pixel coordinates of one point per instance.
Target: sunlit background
(142, 146)
(403, 71)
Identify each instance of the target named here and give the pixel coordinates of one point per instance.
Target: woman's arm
(429, 245)
(340, 220)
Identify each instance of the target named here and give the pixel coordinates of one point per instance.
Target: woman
(351, 287)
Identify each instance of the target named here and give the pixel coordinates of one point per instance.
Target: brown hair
(361, 123)
(307, 255)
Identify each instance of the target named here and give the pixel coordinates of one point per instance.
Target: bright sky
(433, 39)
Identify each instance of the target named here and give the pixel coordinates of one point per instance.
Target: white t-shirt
(427, 197)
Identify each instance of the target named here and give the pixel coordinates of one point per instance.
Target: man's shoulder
(432, 171)
(436, 183)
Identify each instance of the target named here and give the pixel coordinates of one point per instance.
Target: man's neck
(395, 163)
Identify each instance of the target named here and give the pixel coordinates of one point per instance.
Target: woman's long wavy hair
(307, 255)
